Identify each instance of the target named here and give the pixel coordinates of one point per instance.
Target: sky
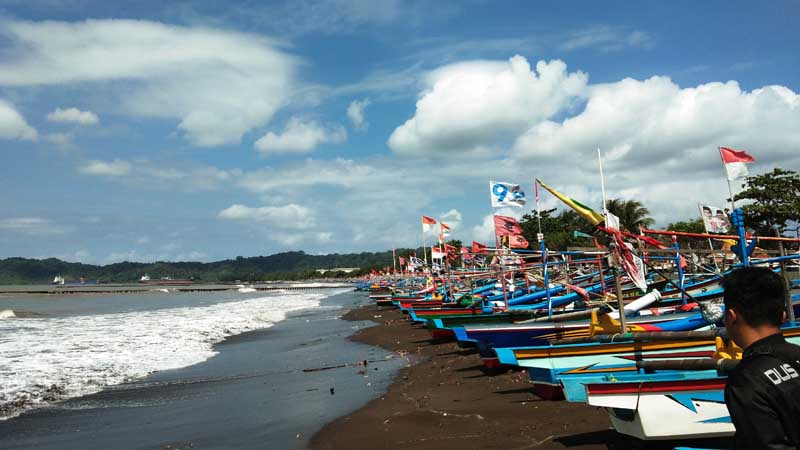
(206, 130)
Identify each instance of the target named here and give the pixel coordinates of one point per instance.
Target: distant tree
(631, 213)
(690, 226)
(557, 228)
(775, 198)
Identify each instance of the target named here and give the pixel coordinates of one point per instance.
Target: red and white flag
(444, 231)
(437, 253)
(427, 224)
(506, 226)
(735, 161)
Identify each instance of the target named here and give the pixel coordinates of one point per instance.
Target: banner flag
(714, 219)
(506, 194)
(479, 248)
(517, 241)
(506, 226)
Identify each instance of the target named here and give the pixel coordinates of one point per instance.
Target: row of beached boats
(656, 359)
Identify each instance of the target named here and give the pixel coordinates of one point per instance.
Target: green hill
(280, 266)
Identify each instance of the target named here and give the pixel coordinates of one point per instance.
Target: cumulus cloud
(73, 115)
(218, 84)
(468, 105)
(289, 216)
(655, 123)
(113, 168)
(13, 125)
(356, 113)
(300, 137)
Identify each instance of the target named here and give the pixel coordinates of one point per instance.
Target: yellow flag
(587, 213)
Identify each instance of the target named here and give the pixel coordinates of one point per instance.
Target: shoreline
(256, 389)
(448, 400)
(445, 399)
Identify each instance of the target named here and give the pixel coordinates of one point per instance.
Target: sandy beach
(448, 400)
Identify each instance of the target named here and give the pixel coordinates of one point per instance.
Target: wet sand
(448, 400)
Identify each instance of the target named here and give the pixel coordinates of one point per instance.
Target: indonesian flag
(506, 226)
(427, 224)
(735, 161)
(437, 253)
(517, 241)
(479, 248)
(444, 231)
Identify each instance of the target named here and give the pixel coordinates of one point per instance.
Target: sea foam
(43, 360)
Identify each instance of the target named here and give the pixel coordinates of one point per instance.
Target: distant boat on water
(59, 280)
(163, 281)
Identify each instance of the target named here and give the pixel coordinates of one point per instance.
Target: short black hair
(757, 294)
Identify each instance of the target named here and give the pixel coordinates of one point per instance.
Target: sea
(169, 370)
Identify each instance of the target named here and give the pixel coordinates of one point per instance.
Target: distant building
(339, 269)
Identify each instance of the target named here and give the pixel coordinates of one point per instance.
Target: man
(763, 393)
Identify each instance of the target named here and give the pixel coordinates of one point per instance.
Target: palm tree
(631, 214)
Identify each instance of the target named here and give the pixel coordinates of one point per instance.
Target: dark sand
(449, 401)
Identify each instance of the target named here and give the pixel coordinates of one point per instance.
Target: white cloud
(13, 125)
(31, 225)
(300, 137)
(658, 126)
(356, 113)
(219, 84)
(606, 38)
(468, 106)
(113, 168)
(73, 115)
(289, 216)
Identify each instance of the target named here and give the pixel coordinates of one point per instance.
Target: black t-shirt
(763, 395)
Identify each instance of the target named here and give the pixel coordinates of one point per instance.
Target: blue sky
(206, 130)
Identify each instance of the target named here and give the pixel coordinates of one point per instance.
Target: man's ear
(734, 316)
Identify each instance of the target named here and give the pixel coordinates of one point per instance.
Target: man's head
(707, 211)
(755, 298)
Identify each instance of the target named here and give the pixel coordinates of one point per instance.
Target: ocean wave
(44, 360)
(7, 314)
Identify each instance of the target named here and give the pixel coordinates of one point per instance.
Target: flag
(506, 194)
(437, 253)
(478, 248)
(402, 261)
(445, 229)
(714, 219)
(587, 213)
(427, 224)
(451, 251)
(735, 161)
(517, 241)
(629, 261)
(506, 226)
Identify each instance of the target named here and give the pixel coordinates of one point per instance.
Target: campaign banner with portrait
(714, 219)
